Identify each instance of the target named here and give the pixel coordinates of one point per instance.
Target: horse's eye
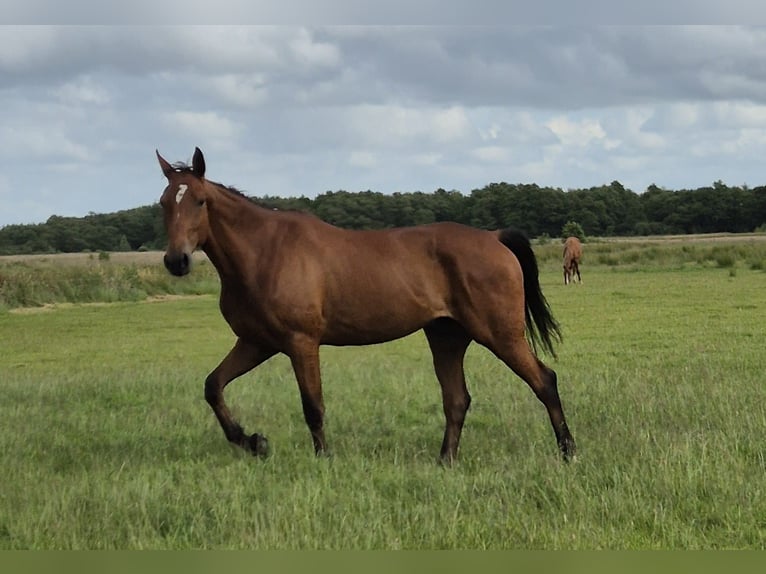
(201, 202)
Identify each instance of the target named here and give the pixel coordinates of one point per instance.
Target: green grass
(109, 443)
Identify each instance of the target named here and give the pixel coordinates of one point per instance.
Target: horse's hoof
(568, 451)
(259, 445)
(447, 460)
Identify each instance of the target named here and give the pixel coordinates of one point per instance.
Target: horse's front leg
(242, 358)
(304, 355)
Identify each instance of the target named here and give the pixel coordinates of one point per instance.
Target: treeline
(128, 230)
(609, 210)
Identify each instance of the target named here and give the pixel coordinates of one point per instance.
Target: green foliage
(123, 244)
(724, 258)
(573, 229)
(120, 231)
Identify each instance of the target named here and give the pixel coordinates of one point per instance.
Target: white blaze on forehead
(181, 192)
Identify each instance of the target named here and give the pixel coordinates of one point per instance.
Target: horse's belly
(371, 326)
(364, 336)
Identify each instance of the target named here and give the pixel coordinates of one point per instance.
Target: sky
(291, 109)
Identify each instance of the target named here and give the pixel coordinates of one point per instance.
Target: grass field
(108, 442)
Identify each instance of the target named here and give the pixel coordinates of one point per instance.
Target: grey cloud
(547, 67)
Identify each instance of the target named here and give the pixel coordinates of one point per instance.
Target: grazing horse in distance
(291, 282)
(572, 257)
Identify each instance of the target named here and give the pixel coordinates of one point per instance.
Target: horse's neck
(232, 219)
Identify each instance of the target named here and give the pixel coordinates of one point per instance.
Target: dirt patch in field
(40, 309)
(58, 306)
(170, 297)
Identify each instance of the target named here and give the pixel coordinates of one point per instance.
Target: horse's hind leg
(542, 380)
(304, 356)
(448, 342)
(242, 358)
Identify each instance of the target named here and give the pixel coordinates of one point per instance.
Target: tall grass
(108, 442)
(37, 282)
(643, 254)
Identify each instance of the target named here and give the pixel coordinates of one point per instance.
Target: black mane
(181, 167)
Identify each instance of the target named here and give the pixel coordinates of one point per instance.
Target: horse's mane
(182, 167)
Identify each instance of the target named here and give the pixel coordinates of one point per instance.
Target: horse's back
(572, 249)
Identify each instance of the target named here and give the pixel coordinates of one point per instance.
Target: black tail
(542, 328)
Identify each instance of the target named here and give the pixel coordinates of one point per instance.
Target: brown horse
(572, 257)
(291, 282)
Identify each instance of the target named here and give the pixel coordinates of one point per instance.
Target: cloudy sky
(302, 109)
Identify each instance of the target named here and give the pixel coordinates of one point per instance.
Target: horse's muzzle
(178, 264)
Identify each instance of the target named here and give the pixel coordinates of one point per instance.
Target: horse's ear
(167, 169)
(198, 163)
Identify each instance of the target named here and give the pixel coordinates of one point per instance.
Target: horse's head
(184, 210)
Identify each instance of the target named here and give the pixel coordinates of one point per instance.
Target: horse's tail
(542, 328)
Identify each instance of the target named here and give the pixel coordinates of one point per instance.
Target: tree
(123, 244)
(572, 229)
